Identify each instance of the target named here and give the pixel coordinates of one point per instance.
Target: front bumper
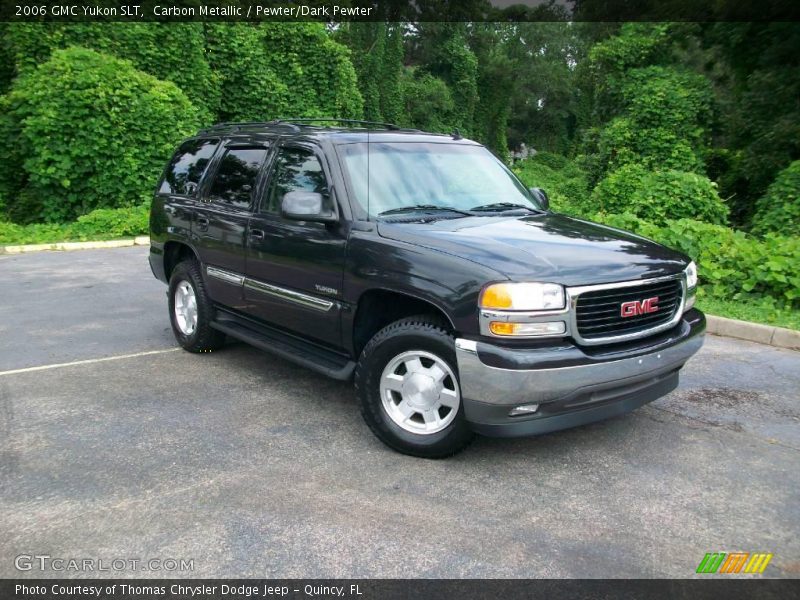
(572, 385)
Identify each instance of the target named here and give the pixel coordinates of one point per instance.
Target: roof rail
(239, 125)
(294, 124)
(304, 120)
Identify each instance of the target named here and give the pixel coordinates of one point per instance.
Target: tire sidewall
(429, 340)
(184, 272)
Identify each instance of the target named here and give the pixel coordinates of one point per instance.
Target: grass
(748, 311)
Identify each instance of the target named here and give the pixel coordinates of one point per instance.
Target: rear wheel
(407, 382)
(191, 310)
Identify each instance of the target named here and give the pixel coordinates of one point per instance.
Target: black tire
(204, 338)
(420, 333)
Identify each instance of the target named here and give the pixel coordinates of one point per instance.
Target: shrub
(660, 195)
(100, 224)
(114, 222)
(779, 209)
(732, 264)
(564, 182)
(240, 60)
(174, 52)
(317, 71)
(85, 130)
(427, 101)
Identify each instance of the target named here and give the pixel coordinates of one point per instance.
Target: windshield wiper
(502, 206)
(422, 207)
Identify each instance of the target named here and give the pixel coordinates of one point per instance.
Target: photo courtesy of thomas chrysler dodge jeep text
(419, 266)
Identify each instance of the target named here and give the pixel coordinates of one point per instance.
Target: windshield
(392, 176)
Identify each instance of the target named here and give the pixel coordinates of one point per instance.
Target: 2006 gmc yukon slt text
(418, 265)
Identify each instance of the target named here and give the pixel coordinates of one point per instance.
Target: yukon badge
(639, 307)
(324, 289)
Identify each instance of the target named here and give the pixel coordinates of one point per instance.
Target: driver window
(295, 170)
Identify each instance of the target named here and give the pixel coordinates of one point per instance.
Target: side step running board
(289, 347)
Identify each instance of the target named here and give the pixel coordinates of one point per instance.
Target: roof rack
(239, 125)
(303, 120)
(294, 124)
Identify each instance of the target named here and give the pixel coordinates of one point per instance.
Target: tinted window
(236, 176)
(386, 176)
(295, 170)
(187, 167)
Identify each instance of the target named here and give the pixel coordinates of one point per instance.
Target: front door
(221, 223)
(295, 268)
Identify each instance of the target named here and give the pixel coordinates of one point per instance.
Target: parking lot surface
(252, 467)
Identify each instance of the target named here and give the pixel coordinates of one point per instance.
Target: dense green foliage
(239, 57)
(85, 130)
(731, 264)
(100, 224)
(377, 55)
(173, 53)
(779, 209)
(565, 183)
(686, 132)
(660, 195)
(316, 70)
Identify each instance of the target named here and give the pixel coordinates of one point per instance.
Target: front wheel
(407, 382)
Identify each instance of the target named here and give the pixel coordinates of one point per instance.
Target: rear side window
(187, 167)
(236, 176)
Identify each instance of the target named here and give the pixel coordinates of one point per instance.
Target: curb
(779, 337)
(141, 240)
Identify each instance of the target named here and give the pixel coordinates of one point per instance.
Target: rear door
(178, 190)
(221, 223)
(295, 268)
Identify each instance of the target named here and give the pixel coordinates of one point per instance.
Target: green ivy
(174, 52)
(241, 63)
(85, 130)
(428, 103)
(100, 224)
(779, 209)
(659, 196)
(316, 70)
(563, 181)
(732, 264)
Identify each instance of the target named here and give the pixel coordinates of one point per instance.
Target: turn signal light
(527, 329)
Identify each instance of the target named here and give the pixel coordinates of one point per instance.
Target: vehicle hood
(544, 247)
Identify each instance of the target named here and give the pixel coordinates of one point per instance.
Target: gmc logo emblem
(639, 307)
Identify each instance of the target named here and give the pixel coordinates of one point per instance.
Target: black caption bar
(401, 10)
(391, 589)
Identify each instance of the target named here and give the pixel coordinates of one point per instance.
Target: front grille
(598, 313)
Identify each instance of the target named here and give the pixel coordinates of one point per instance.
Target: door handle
(202, 223)
(256, 234)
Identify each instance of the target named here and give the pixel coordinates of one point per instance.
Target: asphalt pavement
(249, 466)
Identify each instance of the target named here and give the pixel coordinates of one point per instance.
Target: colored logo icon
(734, 562)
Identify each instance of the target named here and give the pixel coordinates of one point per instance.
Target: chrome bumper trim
(482, 383)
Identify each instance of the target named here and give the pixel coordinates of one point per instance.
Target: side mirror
(306, 206)
(540, 196)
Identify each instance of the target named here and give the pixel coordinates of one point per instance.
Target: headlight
(523, 296)
(691, 275)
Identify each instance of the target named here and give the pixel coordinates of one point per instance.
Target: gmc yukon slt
(420, 267)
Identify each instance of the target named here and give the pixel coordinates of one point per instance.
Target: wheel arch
(176, 251)
(378, 307)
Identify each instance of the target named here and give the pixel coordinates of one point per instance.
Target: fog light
(506, 328)
(525, 409)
